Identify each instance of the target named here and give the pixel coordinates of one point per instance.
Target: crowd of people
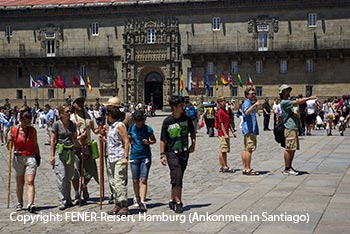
(128, 139)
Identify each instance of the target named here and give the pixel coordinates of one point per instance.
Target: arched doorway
(154, 89)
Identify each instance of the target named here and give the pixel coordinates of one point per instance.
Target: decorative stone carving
(107, 85)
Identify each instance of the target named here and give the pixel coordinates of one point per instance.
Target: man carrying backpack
(209, 118)
(192, 112)
(291, 127)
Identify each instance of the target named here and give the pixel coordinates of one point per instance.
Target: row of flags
(225, 81)
(42, 81)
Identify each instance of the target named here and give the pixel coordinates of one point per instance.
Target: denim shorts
(140, 168)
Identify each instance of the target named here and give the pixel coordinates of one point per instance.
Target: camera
(17, 153)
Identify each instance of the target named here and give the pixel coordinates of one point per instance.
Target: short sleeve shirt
(250, 124)
(64, 135)
(224, 118)
(138, 149)
(287, 110)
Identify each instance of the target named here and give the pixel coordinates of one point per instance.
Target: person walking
(63, 137)
(85, 124)
(141, 137)
(224, 127)
(291, 126)
(117, 160)
(250, 130)
(175, 149)
(26, 158)
(49, 119)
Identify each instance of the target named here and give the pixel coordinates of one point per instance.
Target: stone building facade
(141, 50)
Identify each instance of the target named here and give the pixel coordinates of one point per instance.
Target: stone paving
(316, 202)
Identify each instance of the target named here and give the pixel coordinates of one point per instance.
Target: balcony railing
(272, 46)
(22, 52)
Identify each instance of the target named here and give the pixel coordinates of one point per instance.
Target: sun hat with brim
(283, 87)
(114, 101)
(78, 99)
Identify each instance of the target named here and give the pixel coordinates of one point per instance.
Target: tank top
(24, 143)
(115, 143)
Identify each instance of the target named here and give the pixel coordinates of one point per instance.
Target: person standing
(291, 127)
(26, 158)
(117, 161)
(49, 119)
(175, 149)
(85, 124)
(311, 110)
(224, 127)
(250, 129)
(267, 112)
(141, 136)
(63, 137)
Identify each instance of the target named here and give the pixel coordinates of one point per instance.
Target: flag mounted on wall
(239, 80)
(33, 84)
(249, 79)
(89, 84)
(223, 79)
(76, 80)
(181, 84)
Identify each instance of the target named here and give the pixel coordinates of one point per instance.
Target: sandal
(251, 172)
(228, 170)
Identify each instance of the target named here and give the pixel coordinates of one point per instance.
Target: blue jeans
(140, 168)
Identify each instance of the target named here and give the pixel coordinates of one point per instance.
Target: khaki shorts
(224, 144)
(292, 139)
(24, 165)
(250, 142)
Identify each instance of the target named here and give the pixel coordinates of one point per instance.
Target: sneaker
(19, 206)
(142, 207)
(285, 172)
(31, 208)
(172, 204)
(178, 207)
(136, 203)
(292, 171)
(114, 211)
(85, 193)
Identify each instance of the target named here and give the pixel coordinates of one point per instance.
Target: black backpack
(278, 131)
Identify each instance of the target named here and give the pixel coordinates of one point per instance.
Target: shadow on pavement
(189, 207)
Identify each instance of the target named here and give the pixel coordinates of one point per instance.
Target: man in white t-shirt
(311, 116)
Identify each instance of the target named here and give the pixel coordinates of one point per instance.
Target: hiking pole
(101, 169)
(81, 169)
(9, 175)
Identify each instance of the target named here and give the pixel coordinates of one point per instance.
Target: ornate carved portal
(151, 46)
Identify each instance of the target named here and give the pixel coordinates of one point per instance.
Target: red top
(26, 146)
(223, 117)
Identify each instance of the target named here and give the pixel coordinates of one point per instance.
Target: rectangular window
(50, 35)
(8, 31)
(258, 67)
(50, 93)
(50, 48)
(211, 92)
(151, 36)
(210, 68)
(283, 66)
(234, 67)
(309, 66)
(308, 90)
(19, 94)
(19, 72)
(262, 41)
(83, 71)
(234, 91)
(312, 20)
(258, 90)
(82, 93)
(216, 23)
(94, 29)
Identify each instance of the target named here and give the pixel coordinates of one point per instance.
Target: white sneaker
(135, 203)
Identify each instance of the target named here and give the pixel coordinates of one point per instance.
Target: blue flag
(207, 83)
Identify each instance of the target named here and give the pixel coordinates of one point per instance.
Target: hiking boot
(85, 193)
(178, 208)
(292, 171)
(31, 208)
(142, 207)
(19, 206)
(115, 210)
(172, 204)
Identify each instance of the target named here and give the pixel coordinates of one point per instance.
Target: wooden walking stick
(9, 174)
(102, 187)
(81, 169)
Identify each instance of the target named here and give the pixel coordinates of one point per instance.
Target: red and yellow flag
(89, 84)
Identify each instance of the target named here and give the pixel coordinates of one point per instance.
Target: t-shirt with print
(138, 149)
(175, 132)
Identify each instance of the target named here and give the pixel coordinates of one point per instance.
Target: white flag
(82, 82)
(190, 82)
(33, 84)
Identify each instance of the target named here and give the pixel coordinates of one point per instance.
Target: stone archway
(154, 89)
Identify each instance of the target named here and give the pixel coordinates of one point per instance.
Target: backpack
(345, 107)
(210, 113)
(278, 131)
(191, 112)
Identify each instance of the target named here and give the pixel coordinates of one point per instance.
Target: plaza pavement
(316, 202)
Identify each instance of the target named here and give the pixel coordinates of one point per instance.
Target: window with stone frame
(8, 31)
(151, 36)
(259, 91)
(19, 94)
(234, 91)
(19, 72)
(210, 68)
(94, 29)
(262, 41)
(312, 20)
(283, 66)
(234, 67)
(216, 23)
(50, 93)
(309, 66)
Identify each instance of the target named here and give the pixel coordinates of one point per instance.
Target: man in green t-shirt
(291, 126)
